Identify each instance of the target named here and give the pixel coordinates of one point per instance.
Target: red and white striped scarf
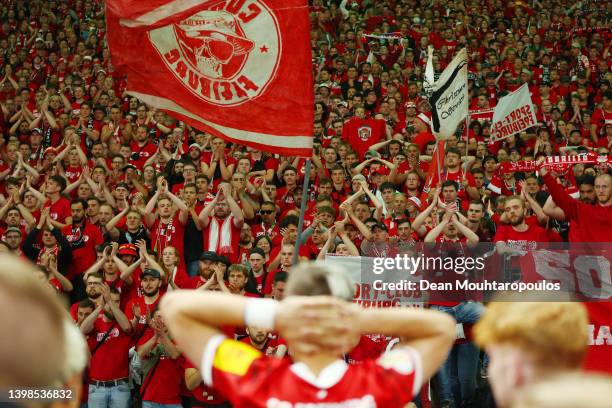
(220, 235)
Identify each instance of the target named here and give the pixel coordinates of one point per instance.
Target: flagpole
(437, 153)
(467, 134)
(302, 211)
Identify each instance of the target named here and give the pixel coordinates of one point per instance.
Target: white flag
(449, 99)
(513, 114)
(430, 79)
(371, 59)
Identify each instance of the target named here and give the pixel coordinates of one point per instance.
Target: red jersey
(366, 349)
(363, 133)
(594, 221)
(83, 241)
(140, 154)
(262, 229)
(252, 380)
(110, 361)
(522, 241)
(202, 393)
(145, 311)
(599, 354)
(161, 386)
(170, 234)
(59, 210)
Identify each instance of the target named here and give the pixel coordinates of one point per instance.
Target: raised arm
(569, 206)
(552, 210)
(417, 224)
(233, 205)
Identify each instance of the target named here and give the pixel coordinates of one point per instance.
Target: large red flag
(238, 69)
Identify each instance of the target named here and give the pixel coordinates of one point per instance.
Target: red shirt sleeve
(561, 198)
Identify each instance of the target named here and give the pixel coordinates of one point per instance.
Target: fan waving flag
(238, 69)
(449, 98)
(514, 113)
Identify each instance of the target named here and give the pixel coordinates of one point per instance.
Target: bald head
(32, 349)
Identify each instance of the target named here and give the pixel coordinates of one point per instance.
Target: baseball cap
(381, 226)
(224, 259)
(127, 249)
(123, 185)
(209, 256)
(371, 153)
(49, 150)
(154, 273)
(416, 201)
(12, 229)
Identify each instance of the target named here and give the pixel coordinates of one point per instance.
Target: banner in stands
(513, 114)
(557, 164)
(482, 115)
(456, 273)
(227, 68)
(449, 97)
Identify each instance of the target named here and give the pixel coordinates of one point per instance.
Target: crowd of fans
(118, 202)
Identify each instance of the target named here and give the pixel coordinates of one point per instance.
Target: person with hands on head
(167, 226)
(452, 229)
(320, 324)
(221, 229)
(418, 225)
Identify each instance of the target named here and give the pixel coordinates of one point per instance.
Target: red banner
(557, 164)
(238, 69)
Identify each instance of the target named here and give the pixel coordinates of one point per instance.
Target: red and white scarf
(220, 235)
(558, 164)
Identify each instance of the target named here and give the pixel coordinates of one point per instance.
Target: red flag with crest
(238, 69)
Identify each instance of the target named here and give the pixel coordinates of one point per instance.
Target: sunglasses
(266, 212)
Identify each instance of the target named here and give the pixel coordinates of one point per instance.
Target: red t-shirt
(83, 242)
(205, 395)
(143, 153)
(145, 311)
(170, 234)
(162, 386)
(599, 354)
(252, 380)
(363, 133)
(366, 349)
(59, 210)
(110, 361)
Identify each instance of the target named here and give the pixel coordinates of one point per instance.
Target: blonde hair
(317, 279)
(32, 352)
(553, 333)
(568, 391)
